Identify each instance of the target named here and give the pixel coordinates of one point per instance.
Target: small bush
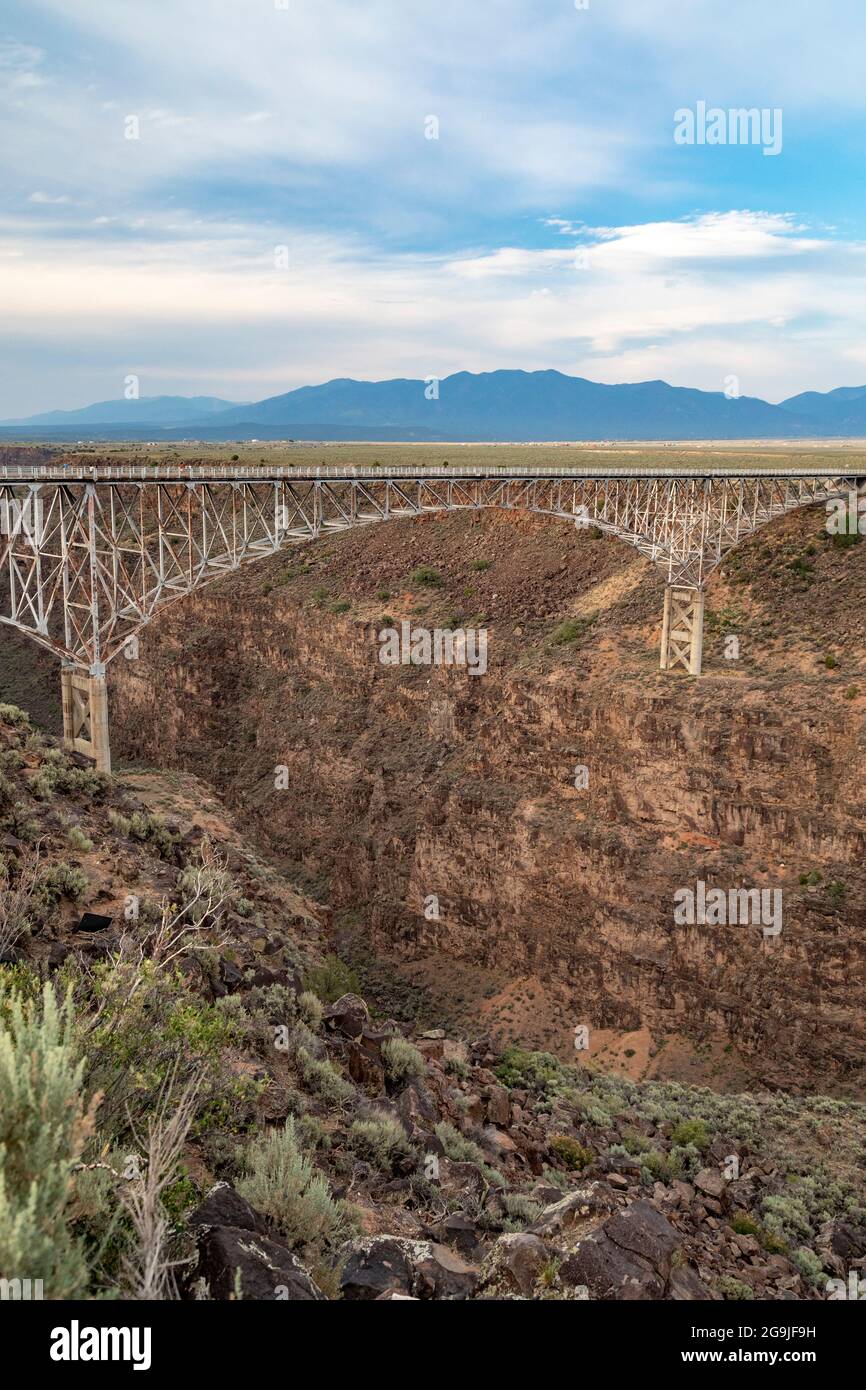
(7, 792)
(734, 1290)
(56, 776)
(11, 714)
(78, 840)
(58, 881)
(319, 1075)
(571, 630)
(809, 1265)
(570, 1153)
(427, 577)
(403, 1061)
(382, 1141)
(532, 1071)
(658, 1166)
(460, 1149)
(786, 1218)
(332, 979)
(521, 1209)
(282, 1183)
(44, 1125)
(310, 1010)
(691, 1132)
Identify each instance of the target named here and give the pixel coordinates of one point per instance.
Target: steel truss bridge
(89, 554)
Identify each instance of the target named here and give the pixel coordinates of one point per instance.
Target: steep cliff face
(441, 808)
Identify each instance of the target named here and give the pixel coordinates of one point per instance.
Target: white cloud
(190, 305)
(312, 118)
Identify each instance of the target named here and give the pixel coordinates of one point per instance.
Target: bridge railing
(128, 472)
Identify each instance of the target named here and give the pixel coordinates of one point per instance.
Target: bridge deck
(244, 473)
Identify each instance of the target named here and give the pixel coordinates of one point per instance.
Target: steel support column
(85, 715)
(683, 630)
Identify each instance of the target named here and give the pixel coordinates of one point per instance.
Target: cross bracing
(88, 555)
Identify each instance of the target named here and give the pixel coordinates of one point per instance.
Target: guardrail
(161, 473)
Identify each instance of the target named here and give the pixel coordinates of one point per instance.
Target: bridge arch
(89, 555)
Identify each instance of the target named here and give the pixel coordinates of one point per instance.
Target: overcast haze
(553, 223)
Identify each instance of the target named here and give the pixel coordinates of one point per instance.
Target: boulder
(458, 1176)
(498, 1105)
(711, 1183)
(223, 1206)
(416, 1108)
(686, 1287)
(643, 1231)
(498, 1143)
(458, 1230)
(380, 1265)
(442, 1273)
(515, 1264)
(580, 1207)
(235, 1263)
(629, 1258)
(231, 977)
(349, 1015)
(375, 1266)
(842, 1246)
(609, 1272)
(364, 1064)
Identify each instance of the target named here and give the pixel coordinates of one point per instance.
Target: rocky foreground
(247, 1126)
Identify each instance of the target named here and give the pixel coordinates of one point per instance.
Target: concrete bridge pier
(85, 714)
(683, 629)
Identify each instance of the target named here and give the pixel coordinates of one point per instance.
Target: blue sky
(553, 223)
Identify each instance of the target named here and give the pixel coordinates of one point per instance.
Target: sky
(239, 197)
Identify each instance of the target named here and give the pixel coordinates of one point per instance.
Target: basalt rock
(381, 1265)
(349, 1015)
(515, 1264)
(582, 1208)
(235, 1263)
(239, 1255)
(630, 1257)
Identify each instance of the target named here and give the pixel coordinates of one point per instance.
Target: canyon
(436, 817)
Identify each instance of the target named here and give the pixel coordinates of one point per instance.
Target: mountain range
(498, 406)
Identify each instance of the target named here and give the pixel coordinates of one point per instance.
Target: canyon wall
(404, 785)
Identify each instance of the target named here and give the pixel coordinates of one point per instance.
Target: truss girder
(85, 564)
